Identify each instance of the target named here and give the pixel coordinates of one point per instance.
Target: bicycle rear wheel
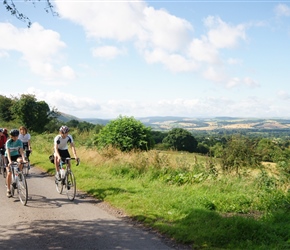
(70, 185)
(22, 189)
(25, 169)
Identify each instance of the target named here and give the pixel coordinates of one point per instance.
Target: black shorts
(63, 154)
(14, 157)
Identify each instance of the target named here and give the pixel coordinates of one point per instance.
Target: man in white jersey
(61, 152)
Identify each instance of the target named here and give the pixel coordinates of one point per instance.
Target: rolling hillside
(165, 123)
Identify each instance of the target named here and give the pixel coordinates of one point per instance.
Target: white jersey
(24, 138)
(62, 143)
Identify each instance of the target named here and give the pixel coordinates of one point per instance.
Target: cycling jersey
(62, 143)
(24, 138)
(13, 147)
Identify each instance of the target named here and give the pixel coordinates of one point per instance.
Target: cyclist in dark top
(3, 140)
(61, 142)
(14, 152)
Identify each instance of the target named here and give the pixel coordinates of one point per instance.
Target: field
(186, 196)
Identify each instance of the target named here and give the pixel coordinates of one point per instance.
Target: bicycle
(67, 179)
(18, 182)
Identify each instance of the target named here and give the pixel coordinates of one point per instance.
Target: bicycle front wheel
(22, 189)
(70, 185)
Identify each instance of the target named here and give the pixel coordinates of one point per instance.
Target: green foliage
(31, 113)
(239, 153)
(126, 134)
(5, 109)
(181, 140)
(83, 125)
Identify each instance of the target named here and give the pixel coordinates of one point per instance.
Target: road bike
(18, 182)
(67, 179)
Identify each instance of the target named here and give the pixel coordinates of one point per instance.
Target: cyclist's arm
(29, 145)
(56, 153)
(73, 148)
(8, 155)
(21, 151)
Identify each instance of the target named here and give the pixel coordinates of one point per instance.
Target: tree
(5, 109)
(181, 140)
(126, 134)
(12, 8)
(33, 114)
(240, 152)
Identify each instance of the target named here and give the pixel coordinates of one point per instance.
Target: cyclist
(25, 137)
(5, 132)
(14, 152)
(61, 142)
(3, 140)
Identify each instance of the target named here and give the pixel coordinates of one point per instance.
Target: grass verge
(186, 198)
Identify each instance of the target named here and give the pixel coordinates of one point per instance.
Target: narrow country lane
(51, 221)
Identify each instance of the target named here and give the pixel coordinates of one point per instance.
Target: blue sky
(102, 59)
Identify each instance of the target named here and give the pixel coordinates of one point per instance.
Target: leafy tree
(126, 134)
(73, 123)
(240, 152)
(269, 150)
(5, 109)
(181, 140)
(158, 136)
(202, 148)
(33, 114)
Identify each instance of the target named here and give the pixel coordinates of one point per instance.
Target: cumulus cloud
(39, 48)
(282, 10)
(223, 35)
(158, 36)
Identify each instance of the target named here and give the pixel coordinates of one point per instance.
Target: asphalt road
(51, 221)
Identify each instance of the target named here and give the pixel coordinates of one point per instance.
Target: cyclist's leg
(8, 181)
(19, 160)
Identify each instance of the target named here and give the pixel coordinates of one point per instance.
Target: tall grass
(186, 196)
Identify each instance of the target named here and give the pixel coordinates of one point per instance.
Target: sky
(103, 58)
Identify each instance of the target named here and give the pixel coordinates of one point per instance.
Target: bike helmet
(1, 130)
(64, 129)
(14, 132)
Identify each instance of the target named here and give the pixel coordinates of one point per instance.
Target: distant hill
(165, 123)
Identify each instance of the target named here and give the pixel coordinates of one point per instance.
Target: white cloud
(84, 107)
(214, 74)
(202, 51)
(282, 10)
(250, 82)
(159, 36)
(284, 95)
(108, 52)
(223, 35)
(39, 48)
